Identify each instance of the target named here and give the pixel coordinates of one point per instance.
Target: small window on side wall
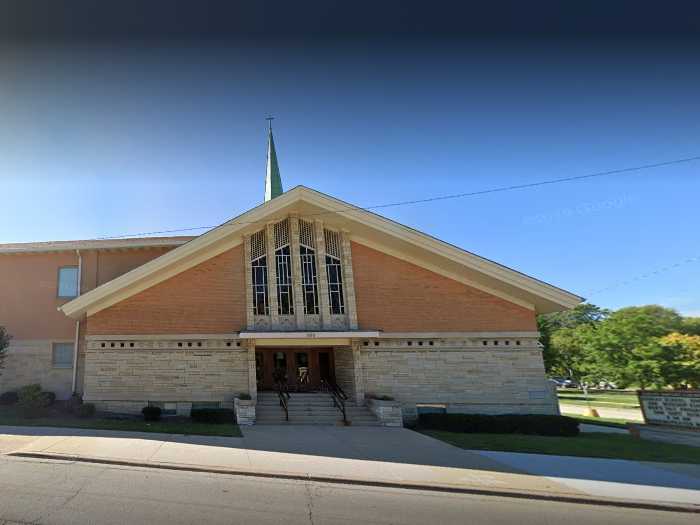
(68, 281)
(62, 355)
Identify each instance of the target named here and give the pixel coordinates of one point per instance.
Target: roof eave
(550, 296)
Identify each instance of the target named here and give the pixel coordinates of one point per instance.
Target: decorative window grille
(306, 234)
(334, 272)
(283, 261)
(257, 245)
(332, 243)
(258, 256)
(309, 277)
(282, 234)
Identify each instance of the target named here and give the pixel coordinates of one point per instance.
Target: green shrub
(85, 410)
(74, 403)
(31, 401)
(212, 415)
(543, 425)
(9, 398)
(244, 397)
(50, 397)
(151, 413)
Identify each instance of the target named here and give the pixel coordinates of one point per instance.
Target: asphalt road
(35, 491)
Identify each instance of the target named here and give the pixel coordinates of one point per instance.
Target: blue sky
(102, 141)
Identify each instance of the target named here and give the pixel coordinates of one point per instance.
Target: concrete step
(315, 408)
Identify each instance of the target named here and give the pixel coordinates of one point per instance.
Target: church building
(304, 309)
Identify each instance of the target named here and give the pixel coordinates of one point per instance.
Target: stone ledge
(245, 411)
(665, 434)
(388, 412)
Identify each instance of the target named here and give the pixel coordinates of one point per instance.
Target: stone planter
(245, 411)
(388, 412)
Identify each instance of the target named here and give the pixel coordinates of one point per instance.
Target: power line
(646, 275)
(442, 197)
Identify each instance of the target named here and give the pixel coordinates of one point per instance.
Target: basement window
(431, 408)
(67, 282)
(205, 404)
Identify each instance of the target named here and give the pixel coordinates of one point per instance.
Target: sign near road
(677, 408)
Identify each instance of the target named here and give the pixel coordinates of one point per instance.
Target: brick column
(272, 275)
(250, 318)
(349, 281)
(359, 380)
(324, 306)
(297, 289)
(252, 380)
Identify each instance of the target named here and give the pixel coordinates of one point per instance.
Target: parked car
(607, 385)
(563, 382)
(558, 381)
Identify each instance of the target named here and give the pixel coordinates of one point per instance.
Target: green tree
(4, 345)
(691, 326)
(683, 370)
(625, 347)
(549, 324)
(567, 351)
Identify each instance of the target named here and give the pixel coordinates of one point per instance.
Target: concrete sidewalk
(629, 414)
(365, 455)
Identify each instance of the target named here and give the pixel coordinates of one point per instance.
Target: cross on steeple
(273, 180)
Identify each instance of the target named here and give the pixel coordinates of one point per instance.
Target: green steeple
(273, 181)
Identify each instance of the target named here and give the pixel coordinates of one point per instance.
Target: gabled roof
(365, 228)
(93, 244)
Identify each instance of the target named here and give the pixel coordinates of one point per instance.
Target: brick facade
(206, 299)
(396, 296)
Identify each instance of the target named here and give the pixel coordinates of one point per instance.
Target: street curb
(597, 501)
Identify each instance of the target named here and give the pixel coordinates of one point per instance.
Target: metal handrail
(339, 397)
(283, 394)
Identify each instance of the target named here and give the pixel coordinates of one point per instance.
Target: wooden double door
(301, 368)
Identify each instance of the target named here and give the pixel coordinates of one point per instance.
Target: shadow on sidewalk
(390, 445)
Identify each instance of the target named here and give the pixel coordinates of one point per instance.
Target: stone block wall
(126, 379)
(30, 362)
(465, 376)
(344, 370)
(388, 412)
(245, 411)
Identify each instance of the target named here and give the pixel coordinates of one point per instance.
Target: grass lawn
(594, 445)
(10, 417)
(603, 399)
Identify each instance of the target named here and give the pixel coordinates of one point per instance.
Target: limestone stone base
(666, 434)
(29, 362)
(124, 380)
(463, 376)
(245, 411)
(388, 412)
